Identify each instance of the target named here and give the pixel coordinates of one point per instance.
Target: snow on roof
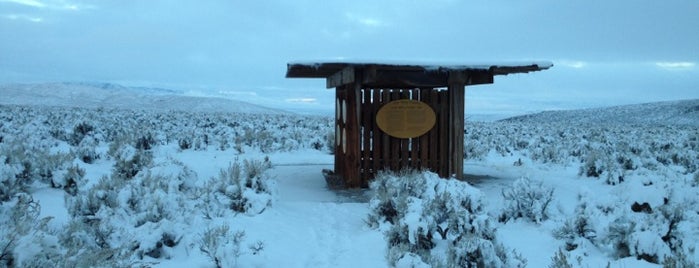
(321, 69)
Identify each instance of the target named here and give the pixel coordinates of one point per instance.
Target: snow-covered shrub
(594, 166)
(647, 245)
(680, 260)
(580, 225)
(129, 161)
(224, 247)
(10, 184)
(80, 130)
(330, 142)
(213, 244)
(26, 241)
(560, 260)
(130, 219)
(473, 149)
(86, 245)
(656, 236)
(419, 210)
(472, 251)
(18, 215)
(184, 143)
(261, 138)
(73, 178)
(145, 142)
(245, 188)
(101, 195)
(411, 260)
(619, 235)
(23, 164)
(526, 199)
(86, 150)
(389, 193)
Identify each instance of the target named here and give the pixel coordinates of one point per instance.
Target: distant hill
(683, 112)
(109, 95)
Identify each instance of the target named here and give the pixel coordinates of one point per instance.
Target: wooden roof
(399, 75)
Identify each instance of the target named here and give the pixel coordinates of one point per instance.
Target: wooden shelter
(393, 116)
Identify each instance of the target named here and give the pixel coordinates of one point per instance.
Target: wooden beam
(341, 78)
(404, 79)
(477, 78)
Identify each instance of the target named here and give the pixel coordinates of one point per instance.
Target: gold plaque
(405, 118)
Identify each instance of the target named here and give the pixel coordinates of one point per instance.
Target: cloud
(23, 17)
(676, 65)
(51, 4)
(31, 3)
(237, 93)
(364, 21)
(572, 64)
(302, 100)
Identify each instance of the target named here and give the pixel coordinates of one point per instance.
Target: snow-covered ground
(145, 188)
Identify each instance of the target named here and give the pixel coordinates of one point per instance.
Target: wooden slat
(404, 143)
(434, 133)
(366, 123)
(377, 146)
(415, 142)
(386, 159)
(341, 78)
(425, 139)
(395, 143)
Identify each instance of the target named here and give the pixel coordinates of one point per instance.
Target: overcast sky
(604, 52)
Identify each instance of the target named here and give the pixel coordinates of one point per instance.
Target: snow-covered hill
(109, 95)
(682, 112)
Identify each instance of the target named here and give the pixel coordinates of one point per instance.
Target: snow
(52, 205)
(428, 65)
(656, 113)
(308, 225)
(104, 95)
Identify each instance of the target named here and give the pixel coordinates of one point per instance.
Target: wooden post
(352, 157)
(457, 82)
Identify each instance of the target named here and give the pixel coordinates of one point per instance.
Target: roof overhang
(407, 75)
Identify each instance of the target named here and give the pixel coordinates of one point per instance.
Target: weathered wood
(341, 78)
(477, 78)
(366, 123)
(340, 96)
(395, 143)
(444, 138)
(404, 143)
(362, 149)
(457, 82)
(404, 79)
(424, 140)
(386, 159)
(415, 142)
(352, 161)
(434, 133)
(377, 146)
